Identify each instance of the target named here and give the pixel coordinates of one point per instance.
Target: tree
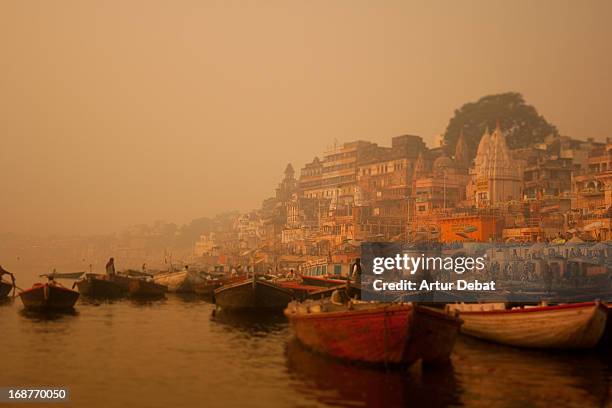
(520, 122)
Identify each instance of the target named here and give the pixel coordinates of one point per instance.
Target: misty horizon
(116, 115)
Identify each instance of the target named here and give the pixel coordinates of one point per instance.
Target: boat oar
(14, 285)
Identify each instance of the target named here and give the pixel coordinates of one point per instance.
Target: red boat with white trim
(374, 333)
(566, 326)
(49, 295)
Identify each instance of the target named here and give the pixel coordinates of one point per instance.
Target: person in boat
(5, 272)
(355, 274)
(353, 283)
(110, 267)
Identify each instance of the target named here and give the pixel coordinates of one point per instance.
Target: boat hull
(207, 288)
(387, 334)
(252, 294)
(45, 296)
(5, 289)
(321, 281)
(142, 289)
(100, 287)
(179, 281)
(302, 291)
(606, 339)
(570, 326)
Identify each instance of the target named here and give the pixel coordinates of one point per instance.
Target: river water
(177, 352)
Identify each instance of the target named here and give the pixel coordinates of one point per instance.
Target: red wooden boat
(606, 339)
(49, 295)
(253, 294)
(376, 333)
(323, 281)
(566, 326)
(302, 291)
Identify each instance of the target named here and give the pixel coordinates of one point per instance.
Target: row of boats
(327, 317)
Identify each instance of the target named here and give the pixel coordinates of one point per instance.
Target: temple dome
(443, 162)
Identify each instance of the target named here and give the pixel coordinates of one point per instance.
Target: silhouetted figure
(355, 274)
(110, 267)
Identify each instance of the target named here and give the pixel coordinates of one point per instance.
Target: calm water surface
(177, 353)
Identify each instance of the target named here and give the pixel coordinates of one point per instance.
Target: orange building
(481, 228)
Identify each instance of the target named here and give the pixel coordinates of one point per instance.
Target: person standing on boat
(355, 275)
(353, 283)
(110, 267)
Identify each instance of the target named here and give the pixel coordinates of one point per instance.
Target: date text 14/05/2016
(402, 285)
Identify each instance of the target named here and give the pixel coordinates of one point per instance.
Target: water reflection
(146, 302)
(186, 297)
(7, 301)
(499, 374)
(47, 315)
(338, 383)
(249, 323)
(178, 353)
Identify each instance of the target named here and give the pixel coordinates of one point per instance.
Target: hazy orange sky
(121, 112)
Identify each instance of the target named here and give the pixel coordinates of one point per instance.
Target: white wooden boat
(178, 281)
(568, 326)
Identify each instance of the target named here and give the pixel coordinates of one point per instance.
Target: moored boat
(375, 333)
(566, 326)
(322, 281)
(146, 289)
(606, 339)
(5, 289)
(253, 294)
(101, 286)
(302, 291)
(178, 281)
(207, 287)
(49, 295)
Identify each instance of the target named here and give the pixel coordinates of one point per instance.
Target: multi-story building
(385, 187)
(592, 186)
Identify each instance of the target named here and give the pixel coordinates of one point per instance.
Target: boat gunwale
(42, 285)
(534, 309)
(439, 314)
(324, 279)
(249, 281)
(407, 307)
